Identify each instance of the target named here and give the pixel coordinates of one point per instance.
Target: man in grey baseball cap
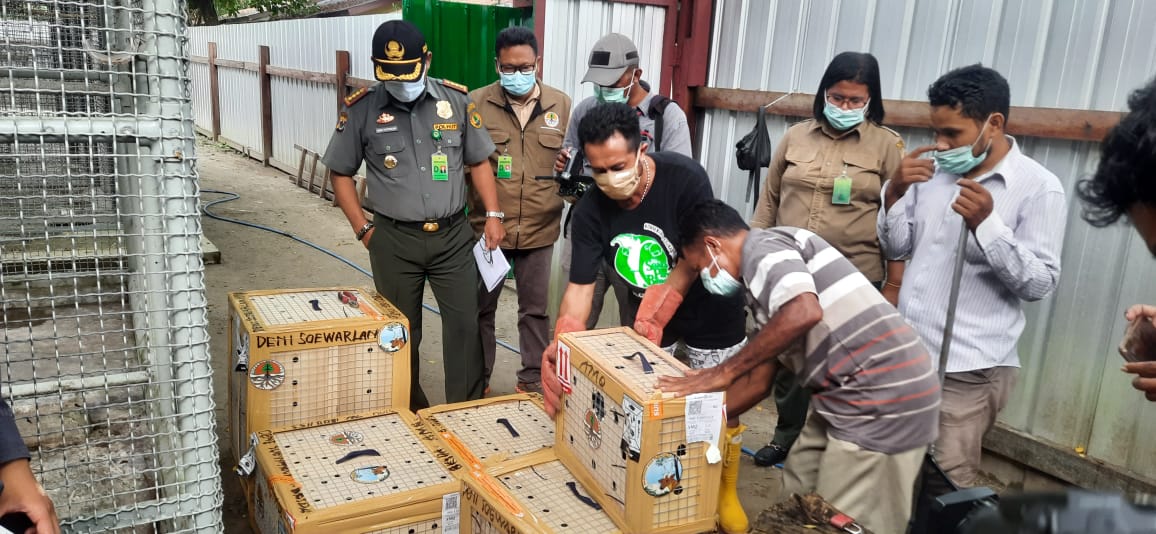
(613, 67)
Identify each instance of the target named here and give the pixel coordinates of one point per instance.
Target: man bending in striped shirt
(875, 399)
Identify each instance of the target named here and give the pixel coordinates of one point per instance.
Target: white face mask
(405, 91)
(619, 185)
(723, 283)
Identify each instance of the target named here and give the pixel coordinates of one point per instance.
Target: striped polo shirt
(871, 377)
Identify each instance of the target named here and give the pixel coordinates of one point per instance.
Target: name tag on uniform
(386, 129)
(505, 166)
(441, 167)
(841, 193)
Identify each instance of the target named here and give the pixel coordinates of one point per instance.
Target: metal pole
(952, 300)
(177, 282)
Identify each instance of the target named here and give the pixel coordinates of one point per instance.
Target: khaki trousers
(874, 488)
(971, 402)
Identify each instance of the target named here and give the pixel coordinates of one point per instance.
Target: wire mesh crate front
(101, 283)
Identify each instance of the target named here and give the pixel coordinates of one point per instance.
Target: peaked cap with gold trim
(399, 51)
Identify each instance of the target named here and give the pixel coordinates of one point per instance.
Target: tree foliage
(209, 12)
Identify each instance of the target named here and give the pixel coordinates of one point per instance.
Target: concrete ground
(255, 259)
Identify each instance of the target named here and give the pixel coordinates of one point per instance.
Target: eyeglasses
(488, 255)
(521, 69)
(839, 100)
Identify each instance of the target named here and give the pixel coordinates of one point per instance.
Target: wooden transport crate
(303, 355)
(628, 440)
(535, 493)
(492, 431)
(299, 486)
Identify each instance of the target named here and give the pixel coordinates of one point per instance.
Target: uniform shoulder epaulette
(357, 95)
(898, 138)
(456, 86)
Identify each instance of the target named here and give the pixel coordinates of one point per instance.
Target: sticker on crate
(393, 337)
(563, 367)
(313, 354)
(395, 477)
(630, 441)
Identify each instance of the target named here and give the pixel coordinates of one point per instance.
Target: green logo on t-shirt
(640, 260)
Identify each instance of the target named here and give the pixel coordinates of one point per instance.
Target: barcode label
(451, 513)
(694, 407)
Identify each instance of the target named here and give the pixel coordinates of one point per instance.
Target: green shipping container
(461, 36)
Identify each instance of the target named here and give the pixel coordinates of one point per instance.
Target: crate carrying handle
(585, 500)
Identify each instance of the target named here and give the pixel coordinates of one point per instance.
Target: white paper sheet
(492, 264)
(704, 419)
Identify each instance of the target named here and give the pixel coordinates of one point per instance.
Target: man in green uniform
(417, 136)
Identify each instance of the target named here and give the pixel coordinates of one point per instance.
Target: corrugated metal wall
(572, 28)
(1071, 54)
(303, 112)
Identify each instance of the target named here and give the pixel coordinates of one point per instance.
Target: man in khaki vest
(526, 120)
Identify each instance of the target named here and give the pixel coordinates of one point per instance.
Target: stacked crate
(380, 473)
(619, 445)
(627, 439)
(308, 356)
(492, 431)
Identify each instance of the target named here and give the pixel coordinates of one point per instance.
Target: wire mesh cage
(101, 282)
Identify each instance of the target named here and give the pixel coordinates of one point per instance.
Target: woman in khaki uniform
(826, 176)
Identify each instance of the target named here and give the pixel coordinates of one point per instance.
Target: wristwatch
(364, 230)
(501, 216)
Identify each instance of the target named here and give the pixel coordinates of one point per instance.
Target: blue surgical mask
(961, 160)
(841, 119)
(518, 84)
(405, 91)
(723, 283)
(614, 95)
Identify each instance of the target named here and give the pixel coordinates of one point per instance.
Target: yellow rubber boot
(731, 517)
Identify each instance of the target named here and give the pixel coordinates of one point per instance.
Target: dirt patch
(807, 514)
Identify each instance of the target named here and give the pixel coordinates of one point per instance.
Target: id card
(505, 167)
(441, 167)
(841, 193)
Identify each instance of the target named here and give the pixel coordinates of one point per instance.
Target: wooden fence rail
(1079, 125)
(266, 72)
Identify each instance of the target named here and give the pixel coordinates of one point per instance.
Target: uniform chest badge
(390, 162)
(341, 120)
(384, 118)
(445, 110)
(551, 119)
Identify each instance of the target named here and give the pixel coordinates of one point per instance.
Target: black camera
(571, 182)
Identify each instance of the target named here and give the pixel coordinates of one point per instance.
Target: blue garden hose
(231, 196)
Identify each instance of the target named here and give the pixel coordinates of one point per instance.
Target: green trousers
(403, 258)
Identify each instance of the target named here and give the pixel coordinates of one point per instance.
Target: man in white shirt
(1015, 211)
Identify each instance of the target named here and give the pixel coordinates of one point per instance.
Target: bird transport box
(381, 472)
(304, 355)
(492, 431)
(644, 452)
(532, 494)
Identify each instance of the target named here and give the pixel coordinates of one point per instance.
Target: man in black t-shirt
(629, 223)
